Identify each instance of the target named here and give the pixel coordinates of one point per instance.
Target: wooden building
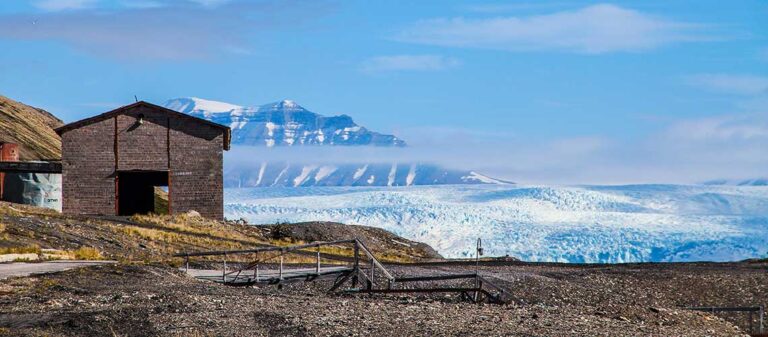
(111, 163)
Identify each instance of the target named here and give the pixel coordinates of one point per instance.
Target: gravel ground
(549, 300)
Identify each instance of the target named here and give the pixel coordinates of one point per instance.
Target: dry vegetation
(148, 238)
(32, 127)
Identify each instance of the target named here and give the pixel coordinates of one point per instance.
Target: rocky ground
(145, 295)
(548, 300)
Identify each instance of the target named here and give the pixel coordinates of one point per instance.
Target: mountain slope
(282, 123)
(31, 128)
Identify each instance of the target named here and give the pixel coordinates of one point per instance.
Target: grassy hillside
(31, 128)
(154, 238)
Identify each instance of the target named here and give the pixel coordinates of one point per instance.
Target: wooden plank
(434, 278)
(416, 290)
(30, 167)
(375, 261)
(265, 249)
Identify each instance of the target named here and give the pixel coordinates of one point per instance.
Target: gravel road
(25, 269)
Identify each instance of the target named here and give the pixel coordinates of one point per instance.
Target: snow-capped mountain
(282, 123)
(286, 123)
(609, 224)
(291, 175)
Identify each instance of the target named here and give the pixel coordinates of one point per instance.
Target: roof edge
(77, 124)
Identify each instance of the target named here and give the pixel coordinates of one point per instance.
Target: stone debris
(549, 300)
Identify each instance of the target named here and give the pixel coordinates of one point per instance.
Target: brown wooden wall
(88, 169)
(191, 151)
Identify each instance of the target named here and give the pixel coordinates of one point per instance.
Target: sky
(556, 92)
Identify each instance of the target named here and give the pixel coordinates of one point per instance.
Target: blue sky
(550, 92)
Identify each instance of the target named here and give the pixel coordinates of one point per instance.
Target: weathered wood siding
(191, 151)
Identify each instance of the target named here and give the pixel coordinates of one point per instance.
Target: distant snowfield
(610, 224)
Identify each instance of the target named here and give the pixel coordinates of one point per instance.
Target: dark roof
(74, 125)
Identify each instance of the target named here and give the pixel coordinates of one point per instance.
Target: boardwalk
(264, 275)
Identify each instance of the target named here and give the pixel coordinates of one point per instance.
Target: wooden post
(373, 268)
(186, 264)
(318, 259)
(224, 271)
(356, 268)
(281, 266)
(256, 268)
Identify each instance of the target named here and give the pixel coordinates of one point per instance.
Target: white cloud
(59, 5)
(731, 83)
(594, 29)
(157, 29)
(684, 151)
(409, 63)
(720, 128)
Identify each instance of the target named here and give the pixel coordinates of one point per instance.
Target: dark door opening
(137, 192)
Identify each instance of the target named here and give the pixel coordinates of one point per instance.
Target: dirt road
(25, 269)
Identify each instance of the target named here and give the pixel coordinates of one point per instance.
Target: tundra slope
(539, 223)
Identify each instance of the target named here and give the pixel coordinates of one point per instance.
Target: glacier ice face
(273, 174)
(608, 224)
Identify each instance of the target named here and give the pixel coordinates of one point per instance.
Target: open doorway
(142, 192)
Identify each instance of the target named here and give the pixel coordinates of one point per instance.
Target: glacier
(577, 224)
(271, 174)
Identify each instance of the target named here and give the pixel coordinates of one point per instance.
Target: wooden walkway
(373, 278)
(269, 276)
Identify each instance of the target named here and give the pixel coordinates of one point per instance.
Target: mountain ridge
(283, 123)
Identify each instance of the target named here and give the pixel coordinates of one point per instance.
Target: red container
(8, 152)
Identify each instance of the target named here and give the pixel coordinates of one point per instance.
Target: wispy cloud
(742, 127)
(59, 5)
(156, 29)
(731, 83)
(594, 29)
(211, 3)
(512, 7)
(691, 150)
(409, 63)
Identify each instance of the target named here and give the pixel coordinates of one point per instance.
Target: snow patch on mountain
(636, 223)
(283, 123)
(194, 105)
